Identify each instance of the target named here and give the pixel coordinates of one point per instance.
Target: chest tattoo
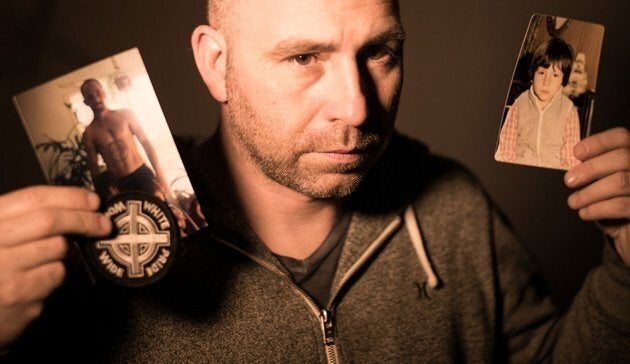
(118, 150)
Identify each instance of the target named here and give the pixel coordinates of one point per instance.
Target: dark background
(459, 58)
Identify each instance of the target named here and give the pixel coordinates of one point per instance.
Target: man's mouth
(347, 155)
(343, 156)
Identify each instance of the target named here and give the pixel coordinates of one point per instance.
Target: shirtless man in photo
(111, 134)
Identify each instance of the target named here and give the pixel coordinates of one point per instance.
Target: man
(331, 238)
(111, 134)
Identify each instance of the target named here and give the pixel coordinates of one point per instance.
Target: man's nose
(346, 98)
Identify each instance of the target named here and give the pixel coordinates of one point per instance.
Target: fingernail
(93, 200)
(106, 223)
(570, 178)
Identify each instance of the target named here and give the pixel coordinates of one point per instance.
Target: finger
(31, 286)
(601, 143)
(33, 254)
(45, 223)
(33, 198)
(598, 167)
(611, 186)
(614, 208)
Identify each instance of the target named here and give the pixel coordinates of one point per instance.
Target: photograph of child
(101, 127)
(543, 122)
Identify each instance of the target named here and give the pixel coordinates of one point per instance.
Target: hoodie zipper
(325, 315)
(328, 329)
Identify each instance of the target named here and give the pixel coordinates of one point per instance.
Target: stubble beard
(280, 159)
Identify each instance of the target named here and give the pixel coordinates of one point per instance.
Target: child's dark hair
(553, 51)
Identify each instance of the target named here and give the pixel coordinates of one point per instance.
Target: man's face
(547, 82)
(94, 96)
(313, 88)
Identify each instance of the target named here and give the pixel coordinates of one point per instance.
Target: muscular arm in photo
(137, 130)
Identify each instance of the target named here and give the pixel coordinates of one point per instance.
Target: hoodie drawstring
(416, 239)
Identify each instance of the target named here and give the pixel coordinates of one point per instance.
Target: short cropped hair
(553, 51)
(218, 10)
(89, 80)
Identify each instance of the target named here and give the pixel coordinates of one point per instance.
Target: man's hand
(32, 224)
(603, 183)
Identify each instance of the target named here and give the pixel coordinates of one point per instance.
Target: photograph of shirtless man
(111, 135)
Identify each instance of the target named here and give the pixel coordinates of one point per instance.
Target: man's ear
(210, 56)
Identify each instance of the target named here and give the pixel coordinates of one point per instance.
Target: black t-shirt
(315, 273)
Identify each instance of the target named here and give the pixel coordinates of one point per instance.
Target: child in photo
(542, 125)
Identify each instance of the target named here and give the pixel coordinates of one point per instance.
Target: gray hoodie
(429, 272)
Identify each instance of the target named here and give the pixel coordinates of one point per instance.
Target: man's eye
(382, 53)
(303, 59)
(375, 53)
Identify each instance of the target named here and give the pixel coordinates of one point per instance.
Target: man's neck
(100, 115)
(288, 222)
